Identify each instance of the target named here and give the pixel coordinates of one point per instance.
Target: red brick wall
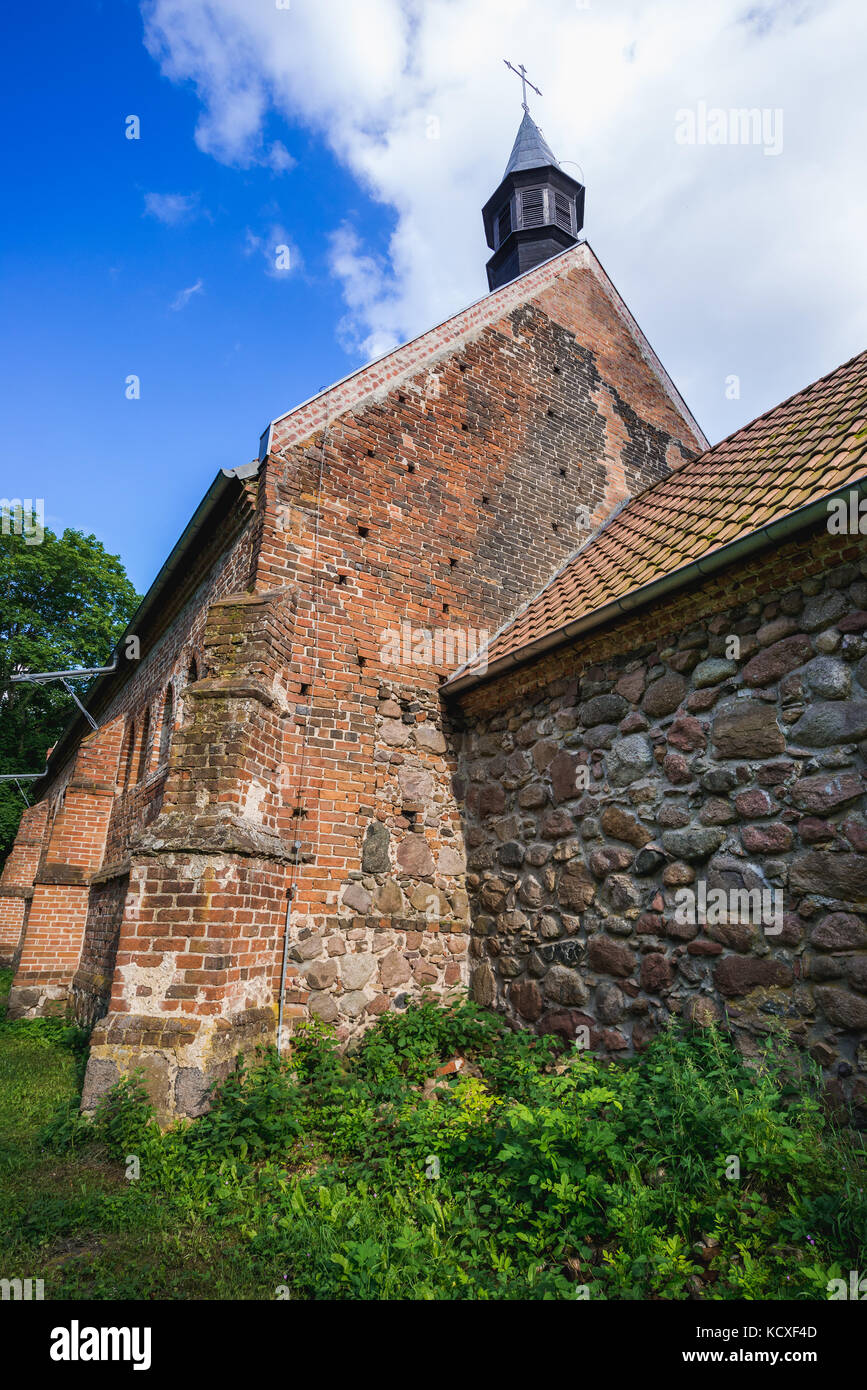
(449, 494)
(13, 913)
(91, 984)
(75, 845)
(167, 661)
(23, 859)
(16, 882)
(94, 824)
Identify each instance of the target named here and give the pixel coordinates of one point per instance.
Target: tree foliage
(63, 604)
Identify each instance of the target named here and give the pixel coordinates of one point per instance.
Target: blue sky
(367, 136)
(90, 278)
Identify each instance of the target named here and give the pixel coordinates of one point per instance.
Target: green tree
(63, 603)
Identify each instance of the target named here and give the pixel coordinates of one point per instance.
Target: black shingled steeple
(530, 150)
(536, 212)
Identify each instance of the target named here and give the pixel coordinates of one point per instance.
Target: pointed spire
(530, 150)
(537, 210)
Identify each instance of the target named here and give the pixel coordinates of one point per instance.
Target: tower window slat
(563, 211)
(533, 207)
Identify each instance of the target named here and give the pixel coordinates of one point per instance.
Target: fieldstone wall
(610, 776)
(399, 926)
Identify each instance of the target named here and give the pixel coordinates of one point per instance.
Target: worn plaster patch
(156, 978)
(253, 801)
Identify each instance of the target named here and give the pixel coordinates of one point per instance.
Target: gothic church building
(483, 671)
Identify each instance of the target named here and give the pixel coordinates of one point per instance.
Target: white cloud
(278, 158)
(276, 247)
(182, 300)
(367, 289)
(172, 208)
(732, 262)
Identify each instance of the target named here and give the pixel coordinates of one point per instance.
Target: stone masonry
(741, 773)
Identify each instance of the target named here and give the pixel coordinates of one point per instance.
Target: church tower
(537, 210)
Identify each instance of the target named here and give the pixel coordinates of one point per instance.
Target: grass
(532, 1173)
(72, 1218)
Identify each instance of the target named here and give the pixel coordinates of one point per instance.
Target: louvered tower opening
(504, 224)
(533, 207)
(563, 211)
(536, 212)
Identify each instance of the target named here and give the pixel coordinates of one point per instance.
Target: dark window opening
(167, 724)
(128, 756)
(144, 748)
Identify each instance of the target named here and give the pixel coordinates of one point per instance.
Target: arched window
(127, 756)
(144, 747)
(167, 724)
(193, 672)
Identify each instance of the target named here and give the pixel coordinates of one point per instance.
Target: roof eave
(164, 580)
(771, 533)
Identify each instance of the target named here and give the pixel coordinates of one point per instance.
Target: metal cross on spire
(521, 71)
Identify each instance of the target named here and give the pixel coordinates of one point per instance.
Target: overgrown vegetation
(529, 1174)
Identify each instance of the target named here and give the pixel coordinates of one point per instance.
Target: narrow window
(144, 747)
(168, 721)
(128, 755)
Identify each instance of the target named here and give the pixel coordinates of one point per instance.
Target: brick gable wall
(447, 498)
(439, 489)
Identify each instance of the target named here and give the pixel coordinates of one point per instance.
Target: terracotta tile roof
(795, 454)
